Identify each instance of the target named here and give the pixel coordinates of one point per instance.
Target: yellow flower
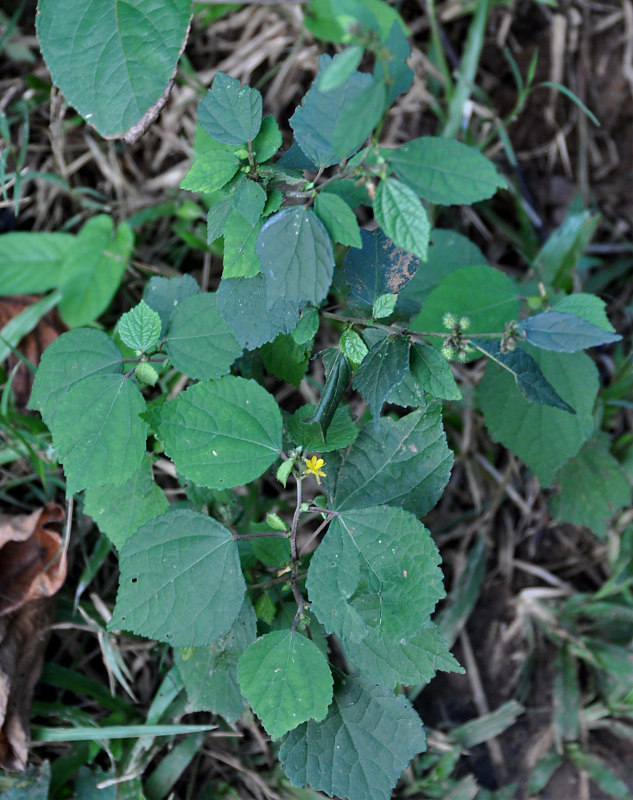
(314, 465)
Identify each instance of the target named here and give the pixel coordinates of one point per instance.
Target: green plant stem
(280, 534)
(314, 535)
(397, 330)
(299, 599)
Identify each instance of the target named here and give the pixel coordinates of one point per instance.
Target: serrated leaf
(565, 333)
(341, 68)
(199, 342)
(338, 218)
(528, 376)
(73, 356)
(341, 432)
(544, 438)
(119, 511)
(211, 170)
(286, 679)
(93, 269)
(164, 295)
(402, 217)
(315, 120)
(286, 359)
(230, 113)
(448, 252)
(240, 239)
(242, 305)
(404, 463)
(587, 307)
(358, 118)
(114, 77)
(98, 433)
(181, 580)
(410, 661)
(249, 199)
(217, 216)
(483, 294)
(384, 305)
(268, 140)
(444, 171)
(432, 372)
(359, 750)
(396, 73)
(593, 488)
(221, 433)
(33, 261)
(382, 369)
(140, 327)
(353, 347)
(296, 257)
(378, 267)
(377, 568)
(210, 673)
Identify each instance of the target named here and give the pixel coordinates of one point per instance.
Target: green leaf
(396, 73)
(431, 371)
(33, 262)
(32, 784)
(338, 218)
(448, 251)
(217, 217)
(377, 568)
(528, 376)
(211, 170)
(338, 374)
(353, 347)
(587, 307)
(359, 750)
(560, 254)
(444, 171)
(307, 326)
(593, 488)
(483, 294)
(286, 359)
(341, 68)
(358, 119)
(268, 140)
(384, 306)
(315, 121)
(181, 580)
(378, 267)
(210, 673)
(249, 199)
(98, 433)
(341, 431)
(164, 295)
(544, 438)
(112, 61)
(230, 113)
(140, 328)
(333, 20)
(199, 342)
(119, 511)
(92, 270)
(286, 679)
(410, 661)
(70, 358)
(402, 217)
(240, 238)
(221, 433)
(296, 256)
(382, 369)
(565, 333)
(242, 305)
(404, 463)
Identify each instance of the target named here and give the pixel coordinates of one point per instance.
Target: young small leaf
(230, 113)
(181, 581)
(341, 68)
(402, 217)
(211, 170)
(286, 679)
(384, 305)
(338, 757)
(338, 218)
(140, 328)
(268, 140)
(565, 333)
(199, 342)
(221, 433)
(353, 347)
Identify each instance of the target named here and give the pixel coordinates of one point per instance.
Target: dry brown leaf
(32, 345)
(32, 569)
